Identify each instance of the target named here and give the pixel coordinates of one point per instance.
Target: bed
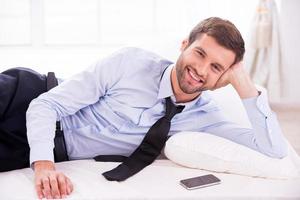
(157, 181)
(160, 180)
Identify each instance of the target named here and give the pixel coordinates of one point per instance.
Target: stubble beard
(181, 72)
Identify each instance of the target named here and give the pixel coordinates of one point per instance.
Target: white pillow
(230, 102)
(209, 152)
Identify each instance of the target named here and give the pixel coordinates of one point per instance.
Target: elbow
(278, 151)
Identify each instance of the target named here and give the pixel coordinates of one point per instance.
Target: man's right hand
(49, 183)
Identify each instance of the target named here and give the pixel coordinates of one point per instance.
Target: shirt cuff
(41, 151)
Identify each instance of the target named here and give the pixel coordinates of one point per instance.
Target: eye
(216, 68)
(200, 53)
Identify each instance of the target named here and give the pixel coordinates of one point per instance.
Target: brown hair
(224, 32)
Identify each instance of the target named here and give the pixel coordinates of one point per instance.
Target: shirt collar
(165, 86)
(204, 100)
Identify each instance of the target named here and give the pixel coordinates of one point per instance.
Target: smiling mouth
(194, 76)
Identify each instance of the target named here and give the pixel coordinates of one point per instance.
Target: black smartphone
(200, 181)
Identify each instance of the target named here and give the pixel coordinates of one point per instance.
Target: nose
(202, 69)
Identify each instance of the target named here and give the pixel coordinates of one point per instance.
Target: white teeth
(194, 76)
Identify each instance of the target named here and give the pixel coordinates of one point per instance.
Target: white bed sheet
(157, 181)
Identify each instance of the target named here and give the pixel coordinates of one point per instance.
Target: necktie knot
(171, 109)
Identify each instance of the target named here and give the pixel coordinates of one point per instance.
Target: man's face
(201, 64)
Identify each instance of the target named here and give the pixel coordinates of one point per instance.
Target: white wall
(290, 21)
(66, 36)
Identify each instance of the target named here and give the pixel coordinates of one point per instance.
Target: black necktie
(149, 149)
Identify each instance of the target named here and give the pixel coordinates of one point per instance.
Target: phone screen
(200, 181)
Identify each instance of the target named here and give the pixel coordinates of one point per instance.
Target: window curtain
(263, 56)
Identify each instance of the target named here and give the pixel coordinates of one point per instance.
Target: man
(108, 108)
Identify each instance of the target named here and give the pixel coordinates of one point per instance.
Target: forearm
(264, 135)
(267, 134)
(40, 123)
(265, 126)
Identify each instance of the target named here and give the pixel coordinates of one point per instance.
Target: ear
(184, 44)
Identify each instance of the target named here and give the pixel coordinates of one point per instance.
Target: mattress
(160, 180)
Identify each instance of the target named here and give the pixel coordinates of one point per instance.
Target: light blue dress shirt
(109, 107)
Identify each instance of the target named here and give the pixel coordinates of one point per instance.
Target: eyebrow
(204, 53)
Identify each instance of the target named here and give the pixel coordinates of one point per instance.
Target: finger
(39, 189)
(62, 185)
(69, 186)
(54, 187)
(46, 188)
